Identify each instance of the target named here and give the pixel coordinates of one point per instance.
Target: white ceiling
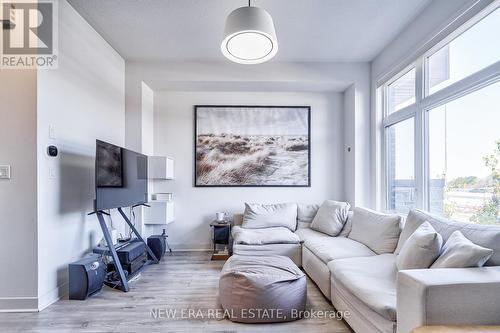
(191, 30)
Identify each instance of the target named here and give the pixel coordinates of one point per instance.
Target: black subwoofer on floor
(158, 245)
(86, 277)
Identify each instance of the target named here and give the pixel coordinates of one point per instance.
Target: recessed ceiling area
(192, 30)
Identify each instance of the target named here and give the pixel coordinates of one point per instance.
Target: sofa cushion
(459, 252)
(421, 249)
(380, 232)
(347, 226)
(309, 234)
(372, 280)
(257, 216)
(305, 214)
(276, 235)
(328, 249)
(331, 217)
(362, 318)
(292, 251)
(487, 236)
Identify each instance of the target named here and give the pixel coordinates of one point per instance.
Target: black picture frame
(196, 107)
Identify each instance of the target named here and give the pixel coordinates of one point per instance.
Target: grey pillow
(487, 236)
(459, 252)
(258, 216)
(346, 230)
(331, 217)
(421, 249)
(305, 214)
(380, 232)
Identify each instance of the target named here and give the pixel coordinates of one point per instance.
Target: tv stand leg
(111, 247)
(138, 235)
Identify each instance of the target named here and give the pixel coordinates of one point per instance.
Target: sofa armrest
(452, 296)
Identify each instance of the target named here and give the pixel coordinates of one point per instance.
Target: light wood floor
(181, 280)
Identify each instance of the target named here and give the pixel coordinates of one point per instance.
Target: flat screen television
(121, 177)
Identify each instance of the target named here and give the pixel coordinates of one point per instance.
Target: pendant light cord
(248, 3)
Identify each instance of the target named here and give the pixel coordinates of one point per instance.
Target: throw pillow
(258, 216)
(484, 235)
(380, 232)
(347, 226)
(459, 252)
(421, 249)
(331, 217)
(305, 214)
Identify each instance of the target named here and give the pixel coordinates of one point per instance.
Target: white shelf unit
(160, 167)
(160, 212)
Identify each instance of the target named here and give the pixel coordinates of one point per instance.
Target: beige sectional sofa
(368, 285)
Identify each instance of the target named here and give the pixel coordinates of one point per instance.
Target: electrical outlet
(4, 171)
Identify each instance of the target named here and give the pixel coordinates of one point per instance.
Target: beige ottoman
(262, 289)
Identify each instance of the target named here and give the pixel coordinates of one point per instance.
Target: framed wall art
(252, 146)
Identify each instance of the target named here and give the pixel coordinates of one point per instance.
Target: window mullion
(420, 161)
(399, 116)
(473, 82)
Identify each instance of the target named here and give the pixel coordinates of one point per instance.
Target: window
(453, 136)
(464, 156)
(401, 92)
(470, 52)
(400, 166)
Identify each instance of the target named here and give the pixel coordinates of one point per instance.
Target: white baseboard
(52, 296)
(179, 247)
(18, 304)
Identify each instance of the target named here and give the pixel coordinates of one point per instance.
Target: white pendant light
(249, 36)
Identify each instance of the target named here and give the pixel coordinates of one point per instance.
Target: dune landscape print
(252, 146)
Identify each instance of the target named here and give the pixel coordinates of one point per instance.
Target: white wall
(195, 207)
(84, 100)
(146, 127)
(147, 120)
(271, 77)
(349, 143)
(18, 215)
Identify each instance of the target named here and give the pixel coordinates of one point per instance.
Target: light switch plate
(52, 173)
(4, 171)
(52, 132)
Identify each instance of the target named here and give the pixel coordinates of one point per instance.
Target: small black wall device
(52, 151)
(157, 245)
(86, 277)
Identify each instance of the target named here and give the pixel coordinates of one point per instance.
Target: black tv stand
(123, 281)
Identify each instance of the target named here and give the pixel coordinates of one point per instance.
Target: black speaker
(157, 244)
(86, 277)
(130, 252)
(136, 264)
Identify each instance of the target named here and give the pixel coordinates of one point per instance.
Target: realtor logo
(29, 34)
